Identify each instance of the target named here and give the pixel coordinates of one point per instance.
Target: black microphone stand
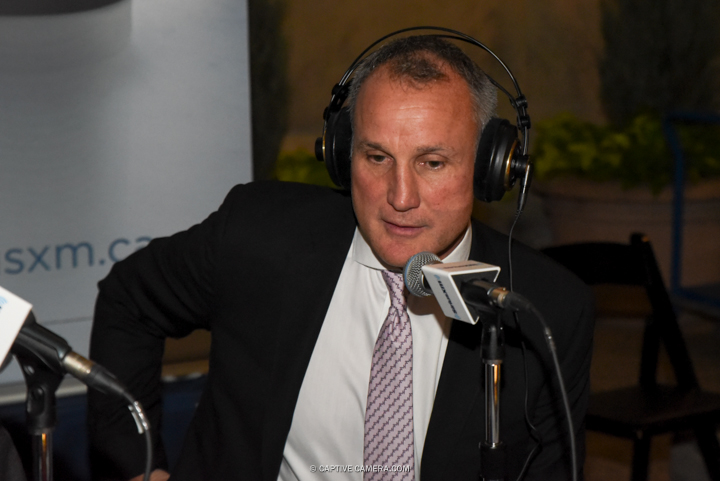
(42, 383)
(42, 368)
(493, 461)
(492, 450)
(45, 357)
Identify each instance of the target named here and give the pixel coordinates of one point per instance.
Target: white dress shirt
(326, 437)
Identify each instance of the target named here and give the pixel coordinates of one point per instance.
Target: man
(295, 283)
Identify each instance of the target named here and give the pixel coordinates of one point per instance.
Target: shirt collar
(363, 254)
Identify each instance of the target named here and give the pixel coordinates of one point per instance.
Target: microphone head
(413, 274)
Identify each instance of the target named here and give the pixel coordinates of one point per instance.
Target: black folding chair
(644, 410)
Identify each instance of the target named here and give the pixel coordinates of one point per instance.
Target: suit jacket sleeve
(224, 275)
(165, 289)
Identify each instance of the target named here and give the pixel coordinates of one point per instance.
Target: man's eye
(377, 158)
(435, 164)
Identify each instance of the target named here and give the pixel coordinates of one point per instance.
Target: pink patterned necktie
(389, 449)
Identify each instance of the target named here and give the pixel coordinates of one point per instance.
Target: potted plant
(599, 182)
(602, 182)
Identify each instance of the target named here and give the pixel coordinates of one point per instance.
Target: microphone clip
(42, 380)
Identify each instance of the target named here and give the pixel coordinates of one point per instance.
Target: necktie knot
(395, 284)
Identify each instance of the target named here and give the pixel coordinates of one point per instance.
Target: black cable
(522, 341)
(143, 426)
(510, 235)
(534, 433)
(566, 403)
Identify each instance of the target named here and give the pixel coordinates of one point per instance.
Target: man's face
(412, 165)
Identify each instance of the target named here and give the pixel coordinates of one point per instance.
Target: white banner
(117, 125)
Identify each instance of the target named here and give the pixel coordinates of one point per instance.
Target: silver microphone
(413, 274)
(455, 284)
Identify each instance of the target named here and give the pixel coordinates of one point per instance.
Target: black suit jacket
(260, 273)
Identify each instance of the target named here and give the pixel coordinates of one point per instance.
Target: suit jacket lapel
(315, 276)
(457, 393)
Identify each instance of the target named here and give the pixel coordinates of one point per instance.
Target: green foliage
(635, 155)
(660, 56)
(301, 166)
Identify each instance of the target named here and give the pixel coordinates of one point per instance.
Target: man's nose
(403, 192)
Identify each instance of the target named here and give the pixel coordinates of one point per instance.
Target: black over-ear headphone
(501, 158)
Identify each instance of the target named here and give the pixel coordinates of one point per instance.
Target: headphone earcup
(334, 148)
(495, 160)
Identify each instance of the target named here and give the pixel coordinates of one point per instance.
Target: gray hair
(421, 59)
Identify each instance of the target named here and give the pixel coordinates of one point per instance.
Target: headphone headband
(506, 163)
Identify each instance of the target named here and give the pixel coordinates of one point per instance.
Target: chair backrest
(634, 264)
